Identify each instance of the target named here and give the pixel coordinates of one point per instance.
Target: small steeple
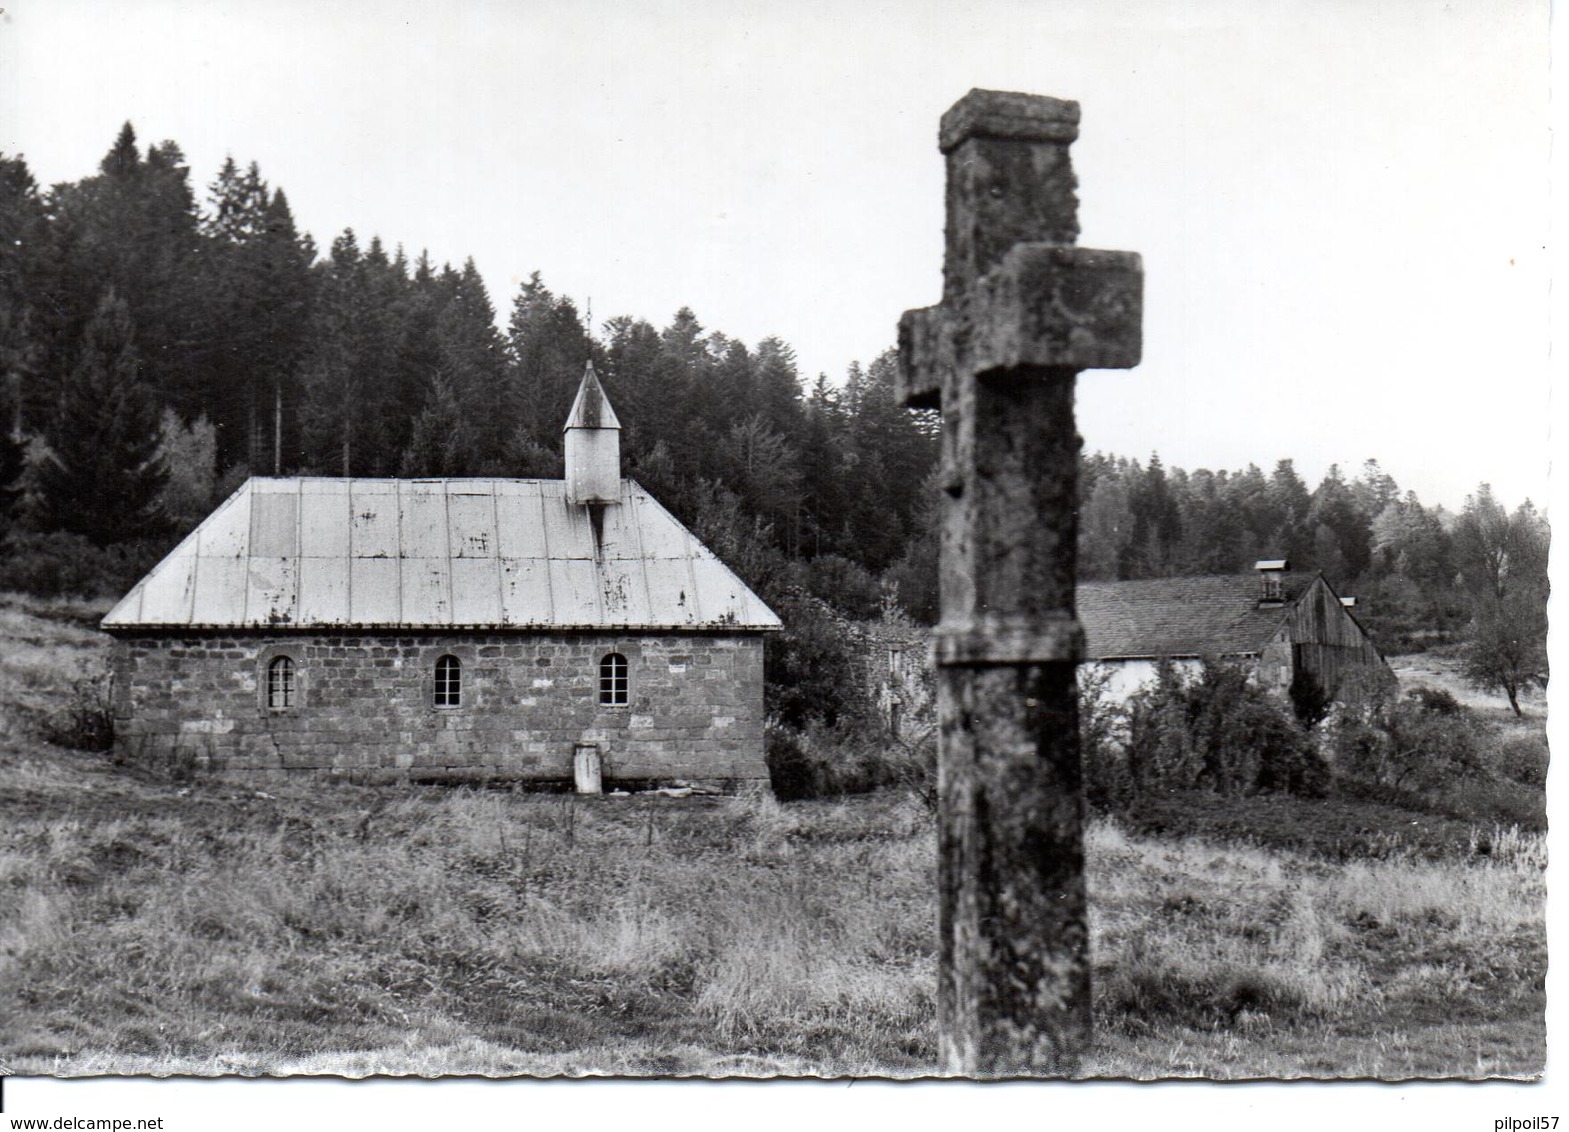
(593, 445)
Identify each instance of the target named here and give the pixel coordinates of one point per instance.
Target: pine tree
(441, 444)
(825, 493)
(1105, 527)
(548, 346)
(1341, 529)
(681, 366)
(258, 284)
(11, 467)
(134, 227)
(352, 422)
(472, 364)
(1156, 532)
(894, 451)
(100, 475)
(23, 285)
(776, 386)
(332, 372)
(1288, 503)
(763, 471)
(282, 259)
(631, 358)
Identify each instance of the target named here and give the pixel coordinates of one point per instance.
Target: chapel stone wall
(364, 706)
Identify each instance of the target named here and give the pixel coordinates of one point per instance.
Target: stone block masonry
(364, 705)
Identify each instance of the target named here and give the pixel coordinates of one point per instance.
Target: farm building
(1289, 628)
(447, 630)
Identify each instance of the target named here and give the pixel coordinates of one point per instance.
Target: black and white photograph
(553, 555)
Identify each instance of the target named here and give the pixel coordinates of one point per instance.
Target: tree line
(157, 347)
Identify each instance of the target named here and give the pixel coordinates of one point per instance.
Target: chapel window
(281, 687)
(613, 680)
(449, 682)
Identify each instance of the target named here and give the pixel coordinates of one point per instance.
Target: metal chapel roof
(317, 553)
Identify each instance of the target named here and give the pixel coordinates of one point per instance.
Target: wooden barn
(1286, 627)
(447, 629)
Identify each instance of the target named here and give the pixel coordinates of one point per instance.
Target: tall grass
(341, 928)
(1203, 941)
(334, 928)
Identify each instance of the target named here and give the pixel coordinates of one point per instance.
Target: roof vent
(1271, 571)
(592, 446)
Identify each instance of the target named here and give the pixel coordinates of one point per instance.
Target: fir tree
(548, 346)
(134, 227)
(99, 475)
(472, 364)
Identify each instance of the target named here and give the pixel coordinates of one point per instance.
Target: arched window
(613, 680)
(280, 682)
(449, 682)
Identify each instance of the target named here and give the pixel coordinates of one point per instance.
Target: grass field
(211, 929)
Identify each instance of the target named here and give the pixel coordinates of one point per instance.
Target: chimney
(593, 446)
(1271, 576)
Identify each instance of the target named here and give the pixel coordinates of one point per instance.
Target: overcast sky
(1341, 205)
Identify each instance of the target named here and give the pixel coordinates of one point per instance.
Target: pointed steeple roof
(591, 408)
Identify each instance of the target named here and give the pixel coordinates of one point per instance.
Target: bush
(792, 771)
(831, 762)
(1221, 732)
(1436, 701)
(1103, 752)
(812, 666)
(1423, 740)
(85, 722)
(1522, 757)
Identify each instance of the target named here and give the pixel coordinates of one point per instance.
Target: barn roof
(1215, 615)
(316, 553)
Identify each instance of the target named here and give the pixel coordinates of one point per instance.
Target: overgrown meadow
(154, 926)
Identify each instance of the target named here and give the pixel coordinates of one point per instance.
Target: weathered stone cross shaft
(1023, 311)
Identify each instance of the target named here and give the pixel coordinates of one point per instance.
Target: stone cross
(1022, 312)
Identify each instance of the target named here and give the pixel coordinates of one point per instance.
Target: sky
(1342, 206)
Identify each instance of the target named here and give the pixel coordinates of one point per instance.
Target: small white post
(585, 768)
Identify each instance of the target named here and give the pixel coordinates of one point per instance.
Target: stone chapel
(553, 631)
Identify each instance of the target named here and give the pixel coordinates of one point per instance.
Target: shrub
(1422, 740)
(1436, 701)
(85, 722)
(831, 762)
(1218, 731)
(1103, 749)
(1522, 757)
(811, 665)
(792, 769)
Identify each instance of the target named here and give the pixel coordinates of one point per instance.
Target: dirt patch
(1434, 670)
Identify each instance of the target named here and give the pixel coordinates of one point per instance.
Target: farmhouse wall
(1326, 642)
(894, 663)
(365, 708)
(1126, 676)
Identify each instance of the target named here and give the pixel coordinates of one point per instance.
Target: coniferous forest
(161, 341)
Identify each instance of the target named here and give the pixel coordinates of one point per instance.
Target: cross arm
(1042, 305)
